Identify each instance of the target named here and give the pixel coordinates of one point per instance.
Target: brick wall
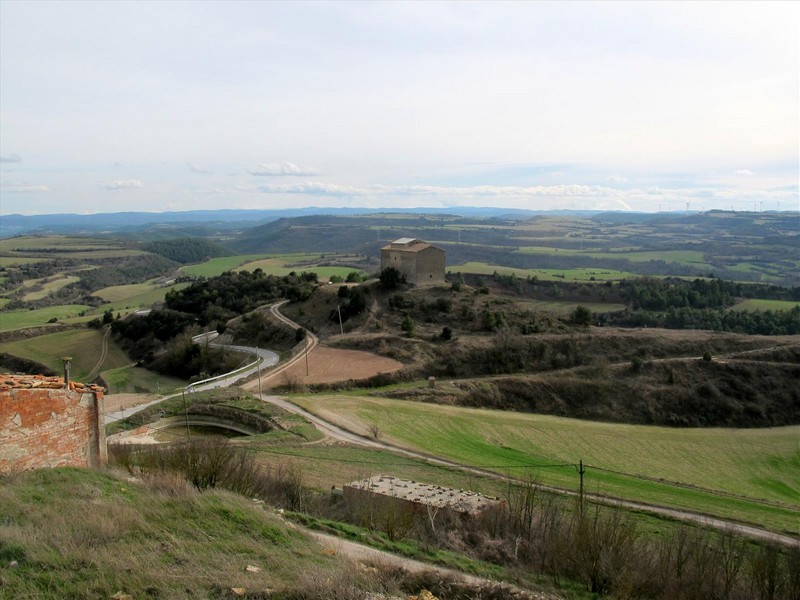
(50, 428)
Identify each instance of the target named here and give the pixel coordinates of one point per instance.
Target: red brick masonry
(42, 424)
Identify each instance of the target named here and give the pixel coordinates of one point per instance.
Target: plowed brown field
(331, 365)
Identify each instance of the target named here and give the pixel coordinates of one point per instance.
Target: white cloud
(617, 179)
(195, 169)
(10, 158)
(744, 172)
(281, 169)
(122, 184)
(24, 188)
(580, 196)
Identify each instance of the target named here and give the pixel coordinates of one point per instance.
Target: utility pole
(308, 341)
(341, 327)
(581, 471)
(186, 414)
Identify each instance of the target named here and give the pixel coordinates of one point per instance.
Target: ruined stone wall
(50, 428)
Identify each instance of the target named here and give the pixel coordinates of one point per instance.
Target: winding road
(341, 434)
(344, 435)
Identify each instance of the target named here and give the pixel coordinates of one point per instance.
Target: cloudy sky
(162, 106)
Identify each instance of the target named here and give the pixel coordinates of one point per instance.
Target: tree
(390, 278)
(408, 325)
(582, 316)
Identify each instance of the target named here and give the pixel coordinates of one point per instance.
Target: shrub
(408, 326)
(390, 278)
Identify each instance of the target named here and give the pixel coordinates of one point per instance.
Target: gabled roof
(410, 245)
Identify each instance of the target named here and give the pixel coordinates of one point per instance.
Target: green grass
(580, 274)
(49, 287)
(691, 258)
(134, 296)
(55, 242)
(124, 380)
(83, 345)
(20, 319)
(754, 305)
(217, 266)
(566, 308)
(283, 265)
(271, 264)
(749, 464)
(77, 533)
(15, 261)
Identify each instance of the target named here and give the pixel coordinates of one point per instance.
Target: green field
(59, 243)
(580, 274)
(692, 258)
(271, 264)
(217, 266)
(56, 283)
(754, 305)
(725, 472)
(567, 308)
(134, 296)
(123, 380)
(14, 261)
(83, 345)
(283, 265)
(20, 319)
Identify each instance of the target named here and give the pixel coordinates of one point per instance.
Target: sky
(170, 106)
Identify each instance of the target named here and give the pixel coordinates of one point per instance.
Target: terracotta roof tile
(9, 381)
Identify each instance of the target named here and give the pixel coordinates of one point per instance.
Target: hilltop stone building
(420, 262)
(47, 422)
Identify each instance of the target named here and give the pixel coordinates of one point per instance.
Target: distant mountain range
(130, 222)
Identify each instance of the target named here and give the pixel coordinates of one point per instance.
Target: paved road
(311, 342)
(268, 358)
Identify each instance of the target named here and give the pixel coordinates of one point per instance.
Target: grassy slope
(580, 274)
(754, 304)
(567, 308)
(138, 295)
(216, 266)
(83, 345)
(271, 264)
(170, 542)
(20, 319)
(751, 463)
(58, 281)
(122, 380)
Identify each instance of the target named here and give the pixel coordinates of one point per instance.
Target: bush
(390, 278)
(408, 326)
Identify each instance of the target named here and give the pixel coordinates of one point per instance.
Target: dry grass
(156, 538)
